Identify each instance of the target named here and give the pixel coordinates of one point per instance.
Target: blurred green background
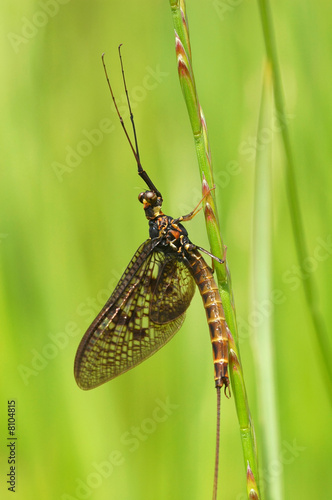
(70, 223)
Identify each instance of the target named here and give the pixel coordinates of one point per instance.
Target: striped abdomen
(215, 316)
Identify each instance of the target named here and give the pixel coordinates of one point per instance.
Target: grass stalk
(199, 128)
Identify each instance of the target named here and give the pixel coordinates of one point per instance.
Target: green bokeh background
(66, 239)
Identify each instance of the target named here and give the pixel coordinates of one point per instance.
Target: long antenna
(129, 106)
(140, 169)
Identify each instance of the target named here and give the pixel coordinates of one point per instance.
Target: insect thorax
(173, 235)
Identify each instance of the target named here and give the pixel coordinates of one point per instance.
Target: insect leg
(198, 208)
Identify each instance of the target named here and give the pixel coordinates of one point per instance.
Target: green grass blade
(309, 285)
(262, 287)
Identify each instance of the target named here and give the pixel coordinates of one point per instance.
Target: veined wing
(145, 310)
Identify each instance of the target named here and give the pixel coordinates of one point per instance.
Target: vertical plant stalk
(198, 124)
(322, 339)
(261, 288)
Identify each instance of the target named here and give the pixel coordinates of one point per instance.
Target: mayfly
(149, 303)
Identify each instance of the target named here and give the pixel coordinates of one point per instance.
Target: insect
(149, 303)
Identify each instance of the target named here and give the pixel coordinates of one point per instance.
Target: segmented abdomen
(215, 316)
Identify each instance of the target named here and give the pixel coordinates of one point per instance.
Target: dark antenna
(129, 106)
(140, 169)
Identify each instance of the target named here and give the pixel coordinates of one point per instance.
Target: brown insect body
(215, 316)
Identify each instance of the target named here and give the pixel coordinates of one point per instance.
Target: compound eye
(141, 197)
(149, 196)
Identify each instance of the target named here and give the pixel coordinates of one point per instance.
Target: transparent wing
(145, 310)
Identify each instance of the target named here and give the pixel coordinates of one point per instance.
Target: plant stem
(199, 128)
